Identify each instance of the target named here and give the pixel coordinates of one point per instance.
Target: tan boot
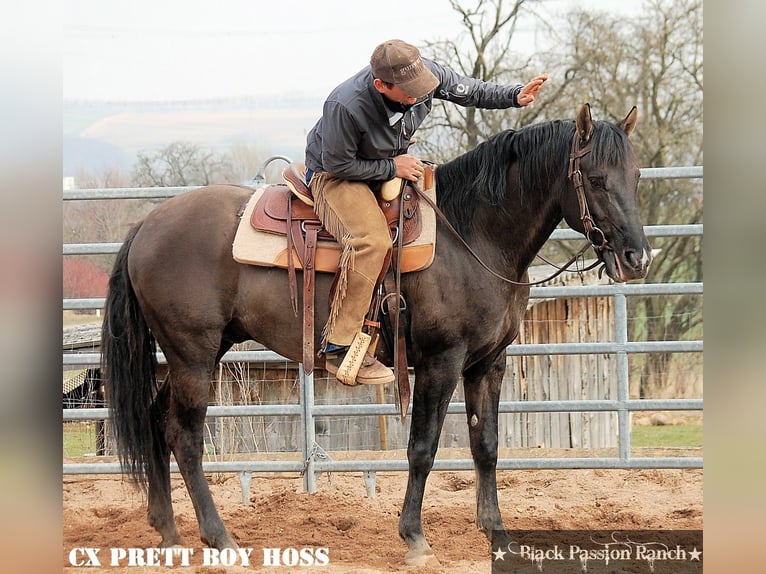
(372, 372)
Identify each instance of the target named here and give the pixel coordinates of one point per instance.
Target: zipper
(403, 127)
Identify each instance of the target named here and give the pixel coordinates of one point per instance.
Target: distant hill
(103, 134)
(92, 155)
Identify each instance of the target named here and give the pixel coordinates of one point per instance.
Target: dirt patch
(361, 533)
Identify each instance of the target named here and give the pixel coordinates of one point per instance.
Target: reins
(595, 236)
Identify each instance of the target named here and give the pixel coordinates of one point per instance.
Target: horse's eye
(596, 182)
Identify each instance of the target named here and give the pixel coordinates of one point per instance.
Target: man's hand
(409, 167)
(529, 92)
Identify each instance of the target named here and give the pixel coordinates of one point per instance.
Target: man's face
(395, 93)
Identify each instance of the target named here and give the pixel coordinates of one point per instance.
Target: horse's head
(604, 174)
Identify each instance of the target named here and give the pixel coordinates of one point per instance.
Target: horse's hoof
(229, 543)
(222, 543)
(421, 557)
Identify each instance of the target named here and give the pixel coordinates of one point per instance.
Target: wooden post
(382, 423)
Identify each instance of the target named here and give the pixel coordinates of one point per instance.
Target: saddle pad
(270, 250)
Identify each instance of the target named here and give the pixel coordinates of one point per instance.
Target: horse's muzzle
(627, 264)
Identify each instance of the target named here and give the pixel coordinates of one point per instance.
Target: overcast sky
(195, 49)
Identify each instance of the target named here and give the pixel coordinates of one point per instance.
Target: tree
(83, 279)
(484, 52)
(243, 162)
(97, 221)
(178, 164)
(654, 61)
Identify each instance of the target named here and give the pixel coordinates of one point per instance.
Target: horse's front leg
(435, 381)
(482, 386)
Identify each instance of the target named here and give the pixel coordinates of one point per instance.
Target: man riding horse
(362, 138)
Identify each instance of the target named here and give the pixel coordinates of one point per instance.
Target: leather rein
(595, 236)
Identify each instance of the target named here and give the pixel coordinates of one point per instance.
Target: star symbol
(694, 554)
(500, 553)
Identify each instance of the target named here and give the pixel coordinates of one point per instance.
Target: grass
(688, 435)
(79, 439)
(71, 318)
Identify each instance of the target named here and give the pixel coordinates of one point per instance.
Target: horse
(175, 284)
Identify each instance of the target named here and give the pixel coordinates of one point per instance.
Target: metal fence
(315, 461)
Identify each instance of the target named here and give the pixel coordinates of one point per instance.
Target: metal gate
(315, 460)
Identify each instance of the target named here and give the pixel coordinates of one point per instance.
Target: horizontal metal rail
(683, 172)
(402, 465)
(537, 349)
(557, 235)
(365, 410)
(534, 292)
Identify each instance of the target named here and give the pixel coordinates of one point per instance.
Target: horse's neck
(522, 227)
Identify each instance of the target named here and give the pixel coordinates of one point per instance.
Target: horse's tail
(128, 365)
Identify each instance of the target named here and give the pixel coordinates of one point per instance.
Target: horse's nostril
(631, 256)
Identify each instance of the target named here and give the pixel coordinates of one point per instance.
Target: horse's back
(183, 247)
(211, 204)
(190, 221)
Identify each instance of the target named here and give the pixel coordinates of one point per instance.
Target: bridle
(593, 233)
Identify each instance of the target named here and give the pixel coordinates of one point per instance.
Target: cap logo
(409, 67)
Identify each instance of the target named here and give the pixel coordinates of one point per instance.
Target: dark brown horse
(176, 284)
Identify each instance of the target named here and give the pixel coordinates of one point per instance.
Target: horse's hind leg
(482, 394)
(185, 434)
(434, 385)
(160, 506)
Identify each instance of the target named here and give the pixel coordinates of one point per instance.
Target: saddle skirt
(261, 237)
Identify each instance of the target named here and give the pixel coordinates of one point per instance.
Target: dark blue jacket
(358, 135)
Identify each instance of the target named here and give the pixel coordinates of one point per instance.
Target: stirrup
(352, 362)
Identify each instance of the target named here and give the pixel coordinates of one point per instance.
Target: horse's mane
(540, 153)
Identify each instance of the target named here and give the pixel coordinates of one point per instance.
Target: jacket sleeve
(471, 92)
(340, 137)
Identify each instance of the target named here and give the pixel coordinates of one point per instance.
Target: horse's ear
(584, 123)
(628, 125)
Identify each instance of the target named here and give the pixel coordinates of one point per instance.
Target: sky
(202, 49)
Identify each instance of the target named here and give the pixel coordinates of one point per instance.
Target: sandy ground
(360, 533)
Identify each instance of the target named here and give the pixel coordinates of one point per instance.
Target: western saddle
(289, 209)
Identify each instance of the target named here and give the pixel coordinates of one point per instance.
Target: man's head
(398, 63)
